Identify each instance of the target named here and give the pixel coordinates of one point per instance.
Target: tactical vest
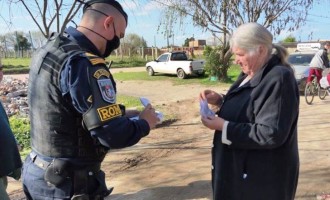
(56, 127)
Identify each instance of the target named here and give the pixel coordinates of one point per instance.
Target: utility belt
(57, 171)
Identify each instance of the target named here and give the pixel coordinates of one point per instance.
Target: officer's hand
(132, 113)
(150, 116)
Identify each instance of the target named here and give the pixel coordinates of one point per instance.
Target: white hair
(251, 35)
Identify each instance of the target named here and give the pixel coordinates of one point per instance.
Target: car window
(163, 58)
(179, 56)
(300, 59)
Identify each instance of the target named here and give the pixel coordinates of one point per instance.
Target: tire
(309, 93)
(151, 72)
(181, 74)
(322, 93)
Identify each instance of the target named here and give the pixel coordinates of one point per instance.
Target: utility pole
(17, 44)
(31, 40)
(168, 43)
(156, 49)
(6, 48)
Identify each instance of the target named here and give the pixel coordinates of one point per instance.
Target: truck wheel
(181, 74)
(150, 71)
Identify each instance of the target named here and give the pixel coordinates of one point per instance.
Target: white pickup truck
(176, 63)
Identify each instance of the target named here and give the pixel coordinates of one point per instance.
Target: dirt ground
(173, 161)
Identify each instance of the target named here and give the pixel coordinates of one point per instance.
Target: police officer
(74, 116)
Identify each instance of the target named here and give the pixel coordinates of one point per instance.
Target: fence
(16, 54)
(148, 53)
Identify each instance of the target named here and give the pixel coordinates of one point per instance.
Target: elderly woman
(255, 151)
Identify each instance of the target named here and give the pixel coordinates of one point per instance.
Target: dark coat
(262, 163)
(9, 154)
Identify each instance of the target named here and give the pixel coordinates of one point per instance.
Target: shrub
(213, 60)
(21, 129)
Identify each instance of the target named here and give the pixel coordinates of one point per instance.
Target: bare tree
(53, 15)
(222, 17)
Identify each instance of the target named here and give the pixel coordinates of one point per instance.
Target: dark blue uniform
(118, 132)
(75, 87)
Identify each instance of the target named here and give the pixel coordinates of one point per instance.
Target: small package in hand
(205, 111)
(145, 102)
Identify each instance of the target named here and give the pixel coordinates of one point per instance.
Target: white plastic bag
(324, 82)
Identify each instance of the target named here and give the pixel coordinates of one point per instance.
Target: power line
(321, 16)
(316, 22)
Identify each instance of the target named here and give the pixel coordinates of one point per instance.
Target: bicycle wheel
(309, 93)
(322, 93)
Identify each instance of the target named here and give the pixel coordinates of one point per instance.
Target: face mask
(111, 44)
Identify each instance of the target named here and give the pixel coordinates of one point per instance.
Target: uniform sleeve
(74, 83)
(275, 115)
(119, 132)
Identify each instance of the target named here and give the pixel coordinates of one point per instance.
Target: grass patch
(16, 65)
(21, 129)
(21, 65)
(204, 80)
(16, 62)
(129, 101)
(118, 62)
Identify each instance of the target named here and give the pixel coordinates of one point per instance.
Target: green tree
(289, 39)
(222, 17)
(132, 43)
(186, 41)
(213, 60)
(22, 43)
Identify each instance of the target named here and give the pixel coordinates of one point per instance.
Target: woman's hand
(213, 122)
(211, 97)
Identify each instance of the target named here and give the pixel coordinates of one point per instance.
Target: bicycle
(312, 89)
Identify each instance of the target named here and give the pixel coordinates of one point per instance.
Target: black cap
(113, 3)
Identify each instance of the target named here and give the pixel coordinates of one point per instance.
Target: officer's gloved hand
(150, 116)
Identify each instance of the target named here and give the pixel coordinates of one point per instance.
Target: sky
(144, 20)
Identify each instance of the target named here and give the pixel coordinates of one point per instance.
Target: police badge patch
(107, 90)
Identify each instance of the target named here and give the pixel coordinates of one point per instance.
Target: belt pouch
(57, 172)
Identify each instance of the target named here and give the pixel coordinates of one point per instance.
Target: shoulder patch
(101, 72)
(107, 90)
(94, 59)
(109, 112)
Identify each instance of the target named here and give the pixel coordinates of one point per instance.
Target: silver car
(300, 63)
